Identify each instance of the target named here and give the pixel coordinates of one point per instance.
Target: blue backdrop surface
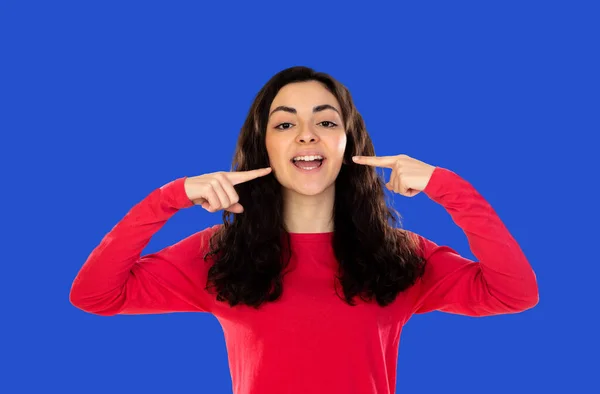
(102, 102)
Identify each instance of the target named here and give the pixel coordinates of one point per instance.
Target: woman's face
(305, 137)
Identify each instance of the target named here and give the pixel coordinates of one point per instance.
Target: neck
(308, 214)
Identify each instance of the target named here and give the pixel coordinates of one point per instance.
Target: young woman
(308, 274)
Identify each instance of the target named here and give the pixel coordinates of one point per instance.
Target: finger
(390, 182)
(235, 208)
(218, 188)
(402, 189)
(228, 188)
(400, 186)
(213, 203)
(379, 161)
(244, 176)
(394, 181)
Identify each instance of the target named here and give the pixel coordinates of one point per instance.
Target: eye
(283, 128)
(328, 124)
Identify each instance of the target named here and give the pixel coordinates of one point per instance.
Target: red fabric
(309, 341)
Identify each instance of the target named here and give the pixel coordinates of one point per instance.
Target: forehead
(304, 96)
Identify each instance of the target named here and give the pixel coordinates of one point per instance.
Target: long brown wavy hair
(376, 258)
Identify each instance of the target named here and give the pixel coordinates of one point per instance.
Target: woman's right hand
(215, 191)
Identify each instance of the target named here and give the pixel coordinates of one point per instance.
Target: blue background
(102, 102)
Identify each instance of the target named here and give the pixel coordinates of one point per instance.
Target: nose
(306, 135)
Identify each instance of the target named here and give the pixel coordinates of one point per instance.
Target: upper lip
(308, 153)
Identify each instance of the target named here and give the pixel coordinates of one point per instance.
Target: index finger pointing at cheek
(380, 161)
(244, 176)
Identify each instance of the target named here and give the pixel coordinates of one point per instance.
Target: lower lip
(314, 170)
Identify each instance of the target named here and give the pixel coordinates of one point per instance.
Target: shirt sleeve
(500, 281)
(116, 279)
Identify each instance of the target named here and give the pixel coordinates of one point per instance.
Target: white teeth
(308, 158)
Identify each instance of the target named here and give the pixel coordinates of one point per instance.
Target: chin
(310, 190)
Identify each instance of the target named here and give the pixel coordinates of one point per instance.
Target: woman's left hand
(409, 176)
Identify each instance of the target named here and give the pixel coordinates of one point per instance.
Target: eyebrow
(318, 108)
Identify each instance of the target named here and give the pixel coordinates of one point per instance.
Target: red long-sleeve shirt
(309, 341)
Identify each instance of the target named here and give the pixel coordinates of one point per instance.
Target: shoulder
(202, 239)
(439, 259)
(424, 246)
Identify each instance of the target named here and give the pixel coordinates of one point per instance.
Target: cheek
(274, 150)
(271, 146)
(338, 144)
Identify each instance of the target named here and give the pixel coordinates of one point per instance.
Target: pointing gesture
(409, 176)
(215, 191)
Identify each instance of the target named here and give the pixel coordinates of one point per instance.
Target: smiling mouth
(308, 164)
